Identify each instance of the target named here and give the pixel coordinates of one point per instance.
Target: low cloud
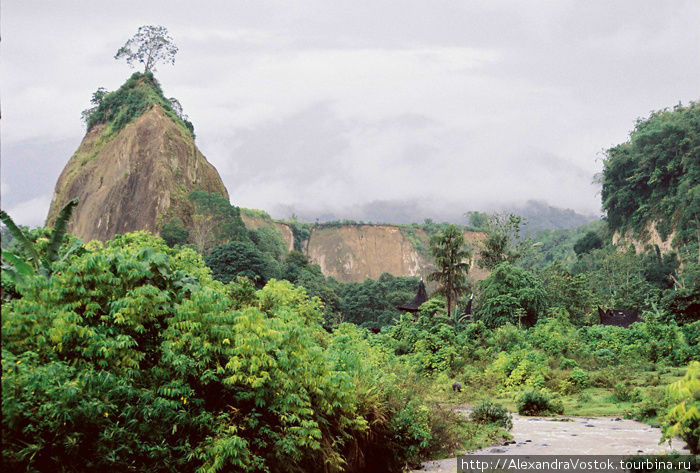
(333, 106)
(31, 212)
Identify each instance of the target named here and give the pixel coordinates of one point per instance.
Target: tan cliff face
(358, 252)
(353, 253)
(135, 180)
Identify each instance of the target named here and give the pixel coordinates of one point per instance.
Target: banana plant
(16, 267)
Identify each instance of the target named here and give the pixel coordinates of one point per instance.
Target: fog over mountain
(537, 215)
(366, 110)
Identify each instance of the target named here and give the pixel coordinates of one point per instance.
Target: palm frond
(59, 232)
(25, 244)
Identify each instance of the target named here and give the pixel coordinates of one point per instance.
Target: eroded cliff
(354, 252)
(358, 252)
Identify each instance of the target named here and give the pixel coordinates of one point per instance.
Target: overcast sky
(330, 107)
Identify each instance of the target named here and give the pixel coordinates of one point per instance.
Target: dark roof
(421, 296)
(619, 318)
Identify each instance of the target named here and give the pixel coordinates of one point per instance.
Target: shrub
(506, 337)
(606, 357)
(538, 402)
(490, 413)
(568, 363)
(554, 335)
(653, 403)
(136, 96)
(604, 378)
(566, 386)
(579, 378)
(623, 392)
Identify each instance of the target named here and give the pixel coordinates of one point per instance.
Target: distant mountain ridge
(539, 215)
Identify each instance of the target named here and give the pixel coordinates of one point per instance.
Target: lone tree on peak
(150, 45)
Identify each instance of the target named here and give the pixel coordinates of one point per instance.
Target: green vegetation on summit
(121, 107)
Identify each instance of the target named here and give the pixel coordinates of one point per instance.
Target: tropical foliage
(35, 252)
(452, 260)
(683, 419)
(132, 356)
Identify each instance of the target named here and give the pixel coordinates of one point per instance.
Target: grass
(593, 401)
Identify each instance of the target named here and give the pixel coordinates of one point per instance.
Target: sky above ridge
(353, 108)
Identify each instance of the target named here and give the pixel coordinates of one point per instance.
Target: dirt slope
(135, 180)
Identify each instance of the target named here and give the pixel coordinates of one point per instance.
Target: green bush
(567, 363)
(487, 412)
(538, 402)
(623, 392)
(652, 403)
(579, 377)
(135, 97)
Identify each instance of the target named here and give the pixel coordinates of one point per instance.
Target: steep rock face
(358, 252)
(136, 179)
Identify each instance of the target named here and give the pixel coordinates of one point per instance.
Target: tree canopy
(238, 258)
(150, 45)
(452, 260)
(502, 241)
(510, 295)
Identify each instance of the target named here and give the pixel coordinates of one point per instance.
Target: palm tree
(452, 260)
(16, 267)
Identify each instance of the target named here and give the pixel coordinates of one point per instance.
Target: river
(568, 436)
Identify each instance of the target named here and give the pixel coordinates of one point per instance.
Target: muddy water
(571, 435)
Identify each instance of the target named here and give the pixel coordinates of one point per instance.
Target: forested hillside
(654, 177)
